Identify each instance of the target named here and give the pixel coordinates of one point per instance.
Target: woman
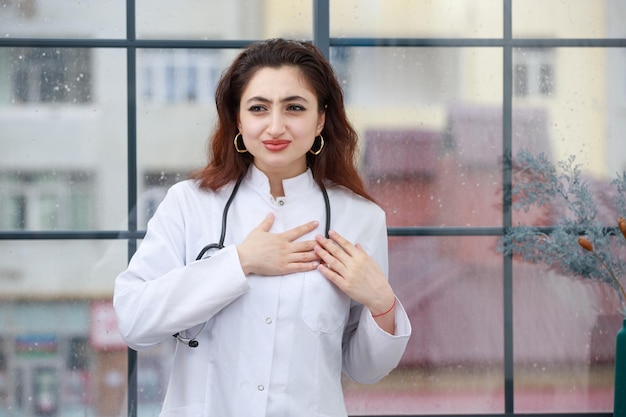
(266, 324)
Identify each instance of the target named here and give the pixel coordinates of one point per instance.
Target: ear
(321, 119)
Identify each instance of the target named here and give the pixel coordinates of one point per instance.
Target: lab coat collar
(294, 187)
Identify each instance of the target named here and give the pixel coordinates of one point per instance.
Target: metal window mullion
(131, 112)
(321, 26)
(320, 31)
(507, 158)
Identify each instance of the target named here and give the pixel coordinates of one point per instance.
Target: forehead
(269, 81)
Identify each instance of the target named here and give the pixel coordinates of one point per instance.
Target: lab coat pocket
(325, 307)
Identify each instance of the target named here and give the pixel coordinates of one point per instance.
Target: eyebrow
(284, 100)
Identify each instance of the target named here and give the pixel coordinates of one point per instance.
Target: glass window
(215, 19)
(52, 367)
(579, 116)
(155, 186)
(43, 19)
(47, 200)
(172, 76)
(564, 364)
(455, 300)
(431, 138)
(533, 72)
(175, 117)
(89, 268)
(96, 123)
(50, 75)
(416, 19)
(520, 76)
(63, 138)
(153, 371)
(568, 19)
(78, 353)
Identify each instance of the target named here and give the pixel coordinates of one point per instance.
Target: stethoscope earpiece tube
(327, 207)
(220, 244)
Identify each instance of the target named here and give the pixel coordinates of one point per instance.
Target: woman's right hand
(265, 253)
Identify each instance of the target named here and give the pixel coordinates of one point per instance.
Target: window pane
(452, 290)
(216, 19)
(564, 364)
(422, 18)
(13, 209)
(576, 18)
(430, 121)
(579, 109)
(63, 138)
(60, 351)
(49, 75)
(533, 71)
(153, 372)
(47, 200)
(583, 117)
(62, 269)
(176, 113)
(69, 19)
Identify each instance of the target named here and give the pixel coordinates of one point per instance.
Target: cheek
(307, 130)
(305, 136)
(250, 128)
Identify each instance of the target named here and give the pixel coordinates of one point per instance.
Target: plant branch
(615, 280)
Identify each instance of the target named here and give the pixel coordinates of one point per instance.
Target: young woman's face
(279, 120)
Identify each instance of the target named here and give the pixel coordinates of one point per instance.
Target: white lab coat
(272, 346)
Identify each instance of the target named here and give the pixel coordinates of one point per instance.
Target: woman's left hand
(357, 274)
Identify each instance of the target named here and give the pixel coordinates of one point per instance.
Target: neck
(276, 179)
(276, 187)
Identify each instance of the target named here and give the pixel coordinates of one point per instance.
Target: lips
(276, 144)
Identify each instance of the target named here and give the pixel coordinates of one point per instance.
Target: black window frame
(321, 37)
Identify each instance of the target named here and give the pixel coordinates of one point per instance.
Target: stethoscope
(193, 341)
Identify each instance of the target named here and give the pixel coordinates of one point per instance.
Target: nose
(276, 124)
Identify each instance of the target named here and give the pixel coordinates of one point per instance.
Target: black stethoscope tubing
(193, 342)
(220, 244)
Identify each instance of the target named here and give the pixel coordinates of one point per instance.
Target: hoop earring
(317, 152)
(237, 136)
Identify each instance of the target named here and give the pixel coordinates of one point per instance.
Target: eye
(295, 107)
(256, 108)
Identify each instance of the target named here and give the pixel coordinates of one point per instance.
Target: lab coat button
(260, 387)
(281, 202)
(268, 320)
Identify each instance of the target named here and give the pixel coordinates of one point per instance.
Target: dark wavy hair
(336, 162)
